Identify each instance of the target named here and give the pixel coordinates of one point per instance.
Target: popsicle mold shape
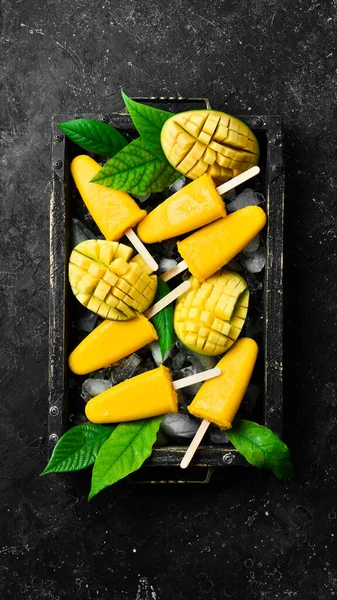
(113, 211)
(218, 400)
(195, 205)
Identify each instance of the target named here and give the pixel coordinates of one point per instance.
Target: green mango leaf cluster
(139, 167)
(117, 451)
(114, 451)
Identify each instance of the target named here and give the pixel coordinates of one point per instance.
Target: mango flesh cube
(123, 252)
(183, 134)
(111, 289)
(209, 318)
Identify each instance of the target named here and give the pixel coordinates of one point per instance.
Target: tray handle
(168, 99)
(207, 471)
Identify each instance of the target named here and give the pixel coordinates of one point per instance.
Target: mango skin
(218, 399)
(209, 141)
(147, 395)
(209, 317)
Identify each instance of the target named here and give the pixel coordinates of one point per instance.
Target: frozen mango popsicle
(114, 212)
(113, 340)
(218, 400)
(194, 206)
(146, 395)
(207, 250)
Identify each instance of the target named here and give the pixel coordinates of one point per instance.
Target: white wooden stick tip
(238, 180)
(194, 445)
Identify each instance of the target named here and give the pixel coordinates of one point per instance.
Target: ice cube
(93, 387)
(255, 261)
(247, 198)
(125, 368)
(191, 390)
(217, 436)
(165, 264)
(253, 245)
(156, 353)
(178, 361)
(79, 233)
(179, 425)
(201, 362)
(87, 322)
(141, 198)
(177, 185)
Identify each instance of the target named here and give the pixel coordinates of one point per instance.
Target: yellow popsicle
(113, 211)
(109, 342)
(210, 248)
(195, 205)
(146, 395)
(218, 399)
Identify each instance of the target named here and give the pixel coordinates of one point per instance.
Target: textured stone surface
(246, 535)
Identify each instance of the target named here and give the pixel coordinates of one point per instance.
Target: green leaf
(147, 120)
(78, 448)
(124, 452)
(140, 168)
(163, 321)
(261, 447)
(94, 136)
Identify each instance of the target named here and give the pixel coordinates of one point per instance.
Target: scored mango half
(209, 317)
(208, 141)
(106, 280)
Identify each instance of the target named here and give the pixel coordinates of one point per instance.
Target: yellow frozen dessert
(207, 250)
(218, 399)
(194, 206)
(112, 210)
(146, 395)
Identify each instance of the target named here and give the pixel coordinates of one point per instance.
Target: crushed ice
(254, 261)
(125, 368)
(179, 425)
(247, 198)
(93, 387)
(177, 185)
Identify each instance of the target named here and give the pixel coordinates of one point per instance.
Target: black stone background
(246, 536)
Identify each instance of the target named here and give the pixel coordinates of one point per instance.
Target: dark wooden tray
(268, 130)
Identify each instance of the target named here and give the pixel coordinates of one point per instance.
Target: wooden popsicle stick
(174, 271)
(197, 378)
(238, 180)
(166, 300)
(138, 244)
(193, 447)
